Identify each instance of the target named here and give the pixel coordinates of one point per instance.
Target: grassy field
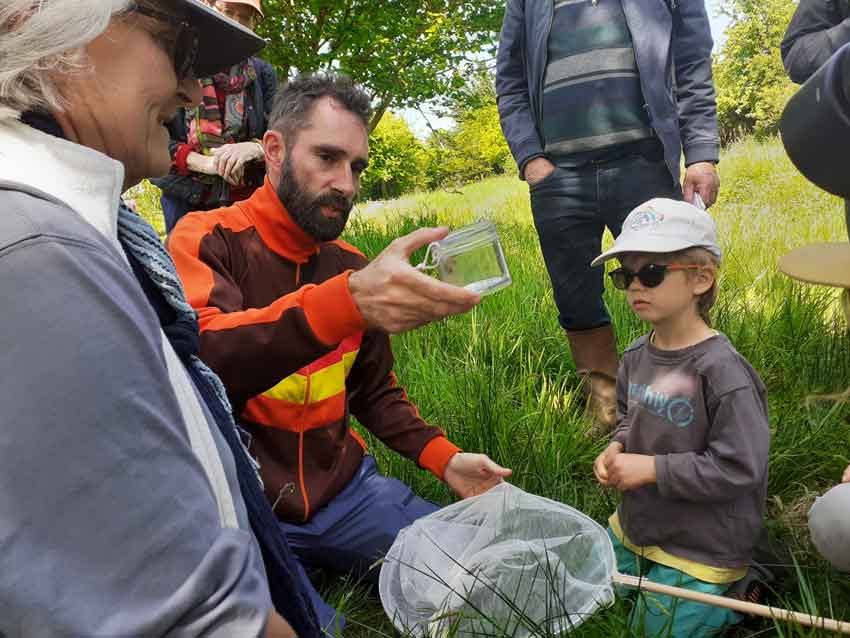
(500, 379)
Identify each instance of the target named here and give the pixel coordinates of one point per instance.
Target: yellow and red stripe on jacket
(320, 387)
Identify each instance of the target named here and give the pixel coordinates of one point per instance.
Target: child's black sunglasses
(650, 275)
(184, 49)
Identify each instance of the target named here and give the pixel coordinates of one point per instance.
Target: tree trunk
(378, 113)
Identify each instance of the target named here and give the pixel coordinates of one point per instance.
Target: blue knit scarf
(157, 275)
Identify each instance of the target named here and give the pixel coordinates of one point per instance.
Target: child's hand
(600, 465)
(630, 471)
(846, 477)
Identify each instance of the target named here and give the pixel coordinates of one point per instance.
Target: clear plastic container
(470, 257)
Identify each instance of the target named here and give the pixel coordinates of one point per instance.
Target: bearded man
(295, 322)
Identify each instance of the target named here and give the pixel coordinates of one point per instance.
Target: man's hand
(600, 465)
(701, 178)
(473, 474)
(537, 170)
(631, 471)
(395, 297)
(846, 476)
(231, 159)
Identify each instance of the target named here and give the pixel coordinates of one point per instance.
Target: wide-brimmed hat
(664, 226)
(826, 264)
(222, 42)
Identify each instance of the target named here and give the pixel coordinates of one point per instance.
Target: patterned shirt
(592, 96)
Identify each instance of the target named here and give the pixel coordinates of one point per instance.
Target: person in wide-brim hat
(827, 264)
(217, 154)
(128, 505)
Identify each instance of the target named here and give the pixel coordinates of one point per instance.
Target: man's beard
(306, 209)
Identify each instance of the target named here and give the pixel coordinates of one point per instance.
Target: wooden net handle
(734, 604)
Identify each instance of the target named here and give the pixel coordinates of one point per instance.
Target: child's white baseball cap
(664, 226)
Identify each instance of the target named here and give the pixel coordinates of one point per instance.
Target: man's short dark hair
(293, 103)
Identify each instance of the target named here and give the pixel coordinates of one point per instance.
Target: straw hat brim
(824, 264)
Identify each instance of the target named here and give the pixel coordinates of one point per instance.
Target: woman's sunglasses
(184, 48)
(650, 275)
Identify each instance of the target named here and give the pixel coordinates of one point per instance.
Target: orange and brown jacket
(280, 327)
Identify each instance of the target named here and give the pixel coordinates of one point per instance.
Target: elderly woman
(126, 500)
(217, 155)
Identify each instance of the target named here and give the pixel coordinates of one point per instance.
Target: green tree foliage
(405, 52)
(475, 148)
(472, 150)
(752, 88)
(396, 160)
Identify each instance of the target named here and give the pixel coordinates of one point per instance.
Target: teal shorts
(658, 616)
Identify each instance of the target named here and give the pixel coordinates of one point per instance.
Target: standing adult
(296, 322)
(597, 100)
(818, 29)
(126, 501)
(216, 148)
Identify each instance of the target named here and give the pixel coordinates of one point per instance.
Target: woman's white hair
(40, 39)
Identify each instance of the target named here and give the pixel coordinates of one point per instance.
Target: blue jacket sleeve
(518, 122)
(109, 524)
(695, 95)
(816, 31)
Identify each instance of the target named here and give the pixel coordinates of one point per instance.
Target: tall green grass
(500, 379)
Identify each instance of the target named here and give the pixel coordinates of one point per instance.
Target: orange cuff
(331, 311)
(436, 455)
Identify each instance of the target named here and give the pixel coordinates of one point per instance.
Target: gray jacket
(120, 509)
(673, 50)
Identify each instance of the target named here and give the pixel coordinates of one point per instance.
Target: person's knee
(580, 305)
(578, 297)
(392, 507)
(829, 525)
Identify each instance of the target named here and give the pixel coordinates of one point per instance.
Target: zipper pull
(286, 490)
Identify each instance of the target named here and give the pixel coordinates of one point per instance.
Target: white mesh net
(506, 563)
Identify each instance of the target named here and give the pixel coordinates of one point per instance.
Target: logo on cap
(646, 219)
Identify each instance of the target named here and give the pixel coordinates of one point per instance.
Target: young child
(691, 447)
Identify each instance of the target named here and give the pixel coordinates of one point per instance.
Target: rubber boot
(595, 354)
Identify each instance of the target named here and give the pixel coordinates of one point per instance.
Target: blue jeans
(571, 208)
(355, 529)
(173, 209)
